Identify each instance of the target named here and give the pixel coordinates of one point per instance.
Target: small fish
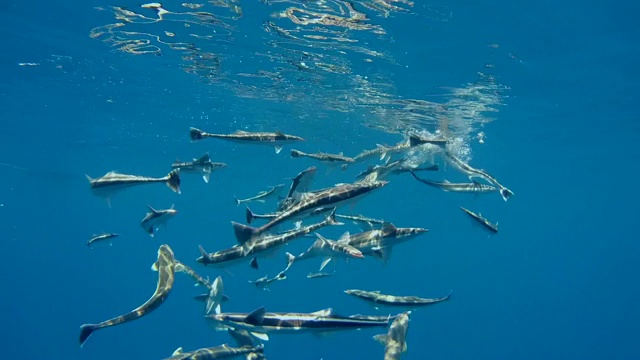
(393, 168)
(250, 216)
(318, 275)
(155, 218)
(101, 237)
(379, 243)
(329, 249)
(385, 151)
(219, 352)
(486, 224)
(473, 187)
(165, 268)
(393, 300)
(265, 281)
(111, 182)
(277, 139)
(473, 172)
(324, 157)
(203, 166)
(360, 219)
(395, 340)
(261, 195)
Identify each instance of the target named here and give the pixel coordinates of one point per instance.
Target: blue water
(552, 86)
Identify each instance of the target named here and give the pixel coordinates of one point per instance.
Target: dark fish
(113, 181)
(261, 196)
(473, 187)
(203, 166)
(325, 157)
(395, 340)
(380, 242)
(155, 218)
(219, 352)
(473, 172)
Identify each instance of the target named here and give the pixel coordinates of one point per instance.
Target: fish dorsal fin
(239, 132)
(387, 226)
(321, 238)
(324, 312)
(89, 177)
(256, 317)
(381, 338)
(376, 292)
(447, 181)
(172, 206)
(178, 351)
(263, 337)
(324, 263)
(151, 209)
(344, 238)
(341, 153)
(404, 346)
(204, 158)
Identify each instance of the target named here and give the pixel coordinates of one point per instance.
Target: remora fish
(261, 196)
(155, 218)
(395, 340)
(318, 275)
(101, 237)
(473, 187)
(261, 245)
(218, 352)
(203, 166)
(380, 242)
(276, 139)
(165, 268)
(325, 157)
(473, 172)
(327, 248)
(331, 197)
(392, 300)
(265, 281)
(483, 221)
(260, 323)
(112, 181)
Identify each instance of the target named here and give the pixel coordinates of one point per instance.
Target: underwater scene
(324, 180)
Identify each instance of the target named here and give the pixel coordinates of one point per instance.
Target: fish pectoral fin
(256, 317)
(152, 209)
(154, 266)
(206, 177)
(344, 238)
(263, 337)
(324, 263)
(278, 149)
(381, 338)
(178, 351)
(404, 347)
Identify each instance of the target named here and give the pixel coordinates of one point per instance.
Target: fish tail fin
(243, 233)
(89, 177)
(250, 216)
(331, 218)
(173, 180)
(85, 331)
(195, 134)
(296, 153)
(506, 193)
(415, 140)
(237, 200)
(290, 259)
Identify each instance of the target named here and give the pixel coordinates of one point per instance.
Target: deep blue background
(558, 281)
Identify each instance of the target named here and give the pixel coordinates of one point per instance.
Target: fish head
(352, 251)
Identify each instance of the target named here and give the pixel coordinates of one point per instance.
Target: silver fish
(380, 242)
(155, 218)
(203, 166)
(101, 237)
(261, 196)
(324, 157)
(486, 224)
(276, 139)
(329, 249)
(265, 281)
(112, 181)
(393, 300)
